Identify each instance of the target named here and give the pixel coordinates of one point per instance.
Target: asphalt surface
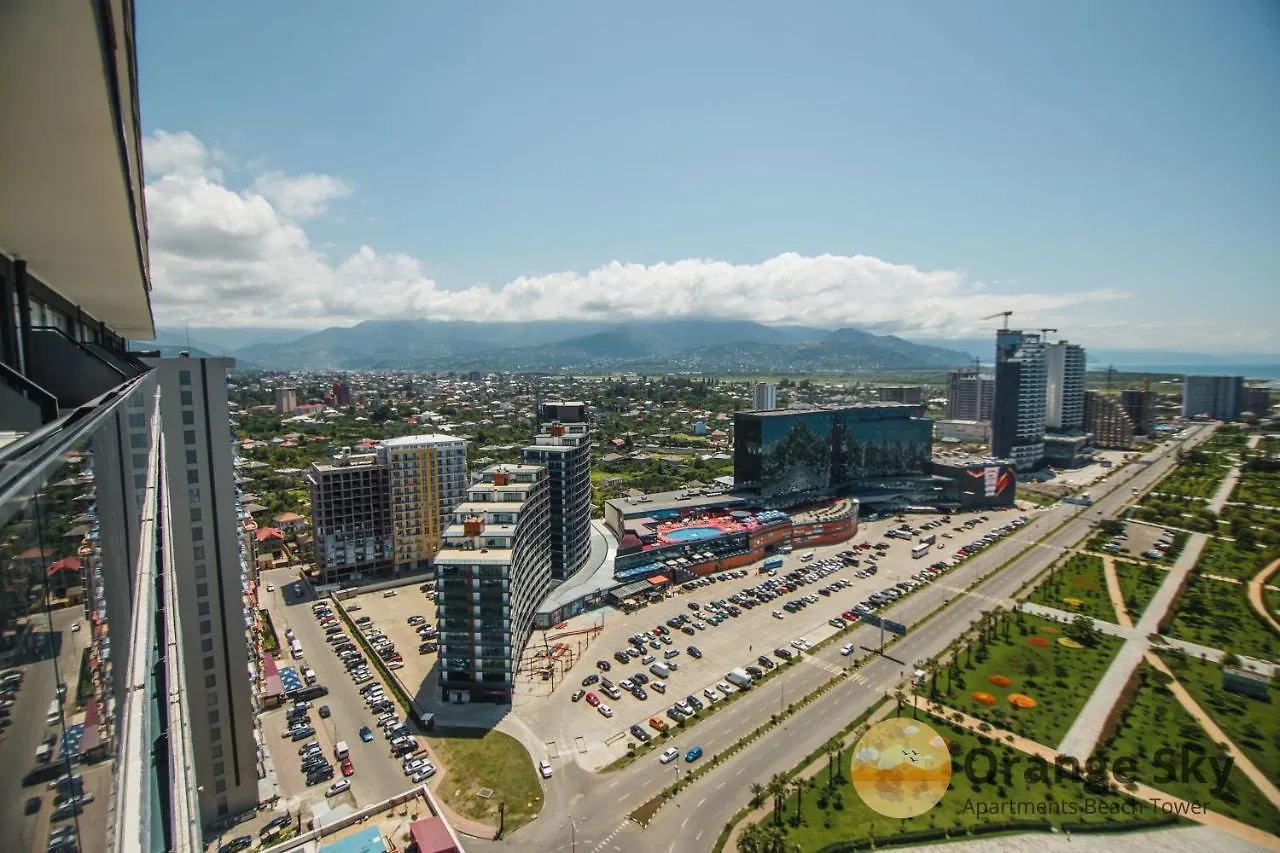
(588, 812)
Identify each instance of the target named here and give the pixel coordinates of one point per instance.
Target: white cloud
(301, 197)
(227, 256)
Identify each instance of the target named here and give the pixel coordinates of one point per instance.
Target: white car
(605, 710)
(669, 755)
(338, 787)
(724, 688)
(424, 774)
(710, 694)
(777, 614)
(544, 768)
(75, 627)
(846, 649)
(271, 587)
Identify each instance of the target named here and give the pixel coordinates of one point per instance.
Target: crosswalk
(609, 837)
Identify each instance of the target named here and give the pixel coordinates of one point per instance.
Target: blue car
(693, 754)
(366, 734)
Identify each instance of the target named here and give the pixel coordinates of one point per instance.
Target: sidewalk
(818, 765)
(1115, 593)
(1067, 616)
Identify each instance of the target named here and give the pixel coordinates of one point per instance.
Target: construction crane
(1044, 332)
(1004, 314)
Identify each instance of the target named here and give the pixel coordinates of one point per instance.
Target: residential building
(491, 575)
(1107, 420)
(1140, 406)
(1018, 410)
(1064, 387)
(565, 451)
(786, 457)
(1217, 397)
(1257, 399)
(341, 394)
(900, 394)
(970, 395)
(565, 413)
(977, 432)
(204, 534)
(286, 401)
(764, 396)
(351, 517)
(427, 476)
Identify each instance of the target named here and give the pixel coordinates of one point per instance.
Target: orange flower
(1038, 641)
(1021, 700)
(983, 698)
(1000, 680)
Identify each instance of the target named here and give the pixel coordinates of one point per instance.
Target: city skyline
(485, 175)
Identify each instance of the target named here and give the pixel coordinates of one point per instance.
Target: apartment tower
(427, 476)
(1018, 410)
(764, 397)
(350, 516)
(565, 451)
(1217, 397)
(1064, 387)
(970, 395)
(1108, 421)
(491, 575)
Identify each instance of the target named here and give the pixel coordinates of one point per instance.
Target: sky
(1109, 169)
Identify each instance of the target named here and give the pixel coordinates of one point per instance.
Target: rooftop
(425, 440)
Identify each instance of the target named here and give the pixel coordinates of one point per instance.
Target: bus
(929, 540)
(920, 550)
(772, 564)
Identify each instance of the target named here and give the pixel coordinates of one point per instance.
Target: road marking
(721, 785)
(701, 801)
(740, 771)
(683, 824)
(601, 845)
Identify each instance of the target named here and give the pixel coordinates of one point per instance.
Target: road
(598, 805)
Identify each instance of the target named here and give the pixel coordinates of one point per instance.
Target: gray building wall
(1219, 397)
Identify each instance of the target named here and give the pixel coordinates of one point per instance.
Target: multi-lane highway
(597, 805)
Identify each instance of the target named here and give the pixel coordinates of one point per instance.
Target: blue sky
(1108, 168)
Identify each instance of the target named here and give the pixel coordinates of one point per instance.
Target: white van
(806, 556)
(55, 712)
(309, 675)
(340, 750)
(295, 650)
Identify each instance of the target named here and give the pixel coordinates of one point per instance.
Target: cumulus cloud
(223, 255)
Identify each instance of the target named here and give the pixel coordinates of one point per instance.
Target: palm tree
(832, 748)
(757, 794)
(799, 787)
(775, 839)
(776, 788)
(753, 839)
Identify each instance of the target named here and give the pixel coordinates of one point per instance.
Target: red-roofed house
(290, 522)
(64, 574)
(270, 540)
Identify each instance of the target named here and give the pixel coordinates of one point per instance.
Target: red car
(592, 699)
(347, 767)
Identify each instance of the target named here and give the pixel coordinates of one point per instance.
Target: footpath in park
(1082, 737)
(1257, 600)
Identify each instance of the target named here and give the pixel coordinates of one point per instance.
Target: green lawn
(1258, 487)
(829, 818)
(1080, 586)
(1058, 678)
(1226, 558)
(1193, 479)
(1154, 721)
(1217, 614)
(476, 759)
(1138, 582)
(1250, 723)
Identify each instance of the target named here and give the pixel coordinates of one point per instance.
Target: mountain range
(711, 346)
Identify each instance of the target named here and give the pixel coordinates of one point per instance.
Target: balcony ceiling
(71, 182)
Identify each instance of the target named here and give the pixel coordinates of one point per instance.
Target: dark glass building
(786, 457)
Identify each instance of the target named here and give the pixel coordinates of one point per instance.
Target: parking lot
(391, 614)
(377, 773)
(1137, 540)
(566, 725)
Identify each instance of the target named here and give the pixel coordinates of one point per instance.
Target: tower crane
(1044, 332)
(1004, 314)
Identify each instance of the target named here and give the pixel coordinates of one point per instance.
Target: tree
(832, 748)
(777, 789)
(757, 794)
(753, 838)
(1082, 630)
(799, 788)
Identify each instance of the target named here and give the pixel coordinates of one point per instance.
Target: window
(206, 627)
(202, 590)
(137, 440)
(203, 608)
(223, 809)
(208, 664)
(191, 457)
(139, 481)
(206, 645)
(197, 551)
(189, 418)
(139, 461)
(184, 377)
(195, 516)
(186, 398)
(189, 436)
(201, 571)
(216, 752)
(215, 734)
(137, 420)
(193, 475)
(197, 534)
(210, 680)
(213, 718)
(218, 768)
(219, 786)
(193, 494)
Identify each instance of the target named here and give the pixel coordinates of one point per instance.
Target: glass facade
(794, 456)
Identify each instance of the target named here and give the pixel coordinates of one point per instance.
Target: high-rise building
(1140, 405)
(564, 412)
(341, 394)
(970, 395)
(764, 397)
(565, 451)
(204, 533)
(900, 394)
(286, 400)
(1217, 397)
(1018, 411)
(1257, 399)
(1108, 421)
(491, 575)
(427, 475)
(1064, 387)
(351, 516)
